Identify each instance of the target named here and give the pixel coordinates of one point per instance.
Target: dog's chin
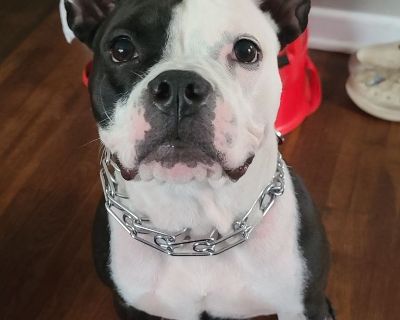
(174, 163)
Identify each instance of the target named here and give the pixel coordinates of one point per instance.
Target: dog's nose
(179, 93)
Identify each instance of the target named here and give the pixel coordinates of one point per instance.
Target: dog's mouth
(169, 156)
(236, 174)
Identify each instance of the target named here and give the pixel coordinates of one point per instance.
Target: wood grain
(49, 181)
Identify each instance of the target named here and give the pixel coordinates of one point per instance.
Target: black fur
(101, 244)
(144, 22)
(315, 249)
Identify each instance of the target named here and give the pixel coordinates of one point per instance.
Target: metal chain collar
(180, 243)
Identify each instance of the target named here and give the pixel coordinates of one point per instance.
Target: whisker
(90, 142)
(101, 150)
(105, 120)
(141, 76)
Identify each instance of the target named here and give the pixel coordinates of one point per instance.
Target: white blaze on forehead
(201, 38)
(199, 25)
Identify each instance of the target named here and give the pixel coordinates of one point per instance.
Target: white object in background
(69, 35)
(385, 56)
(347, 31)
(374, 83)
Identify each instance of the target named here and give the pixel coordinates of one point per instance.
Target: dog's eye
(246, 51)
(123, 50)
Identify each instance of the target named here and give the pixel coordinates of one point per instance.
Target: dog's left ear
(291, 16)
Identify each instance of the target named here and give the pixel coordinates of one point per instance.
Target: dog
(185, 94)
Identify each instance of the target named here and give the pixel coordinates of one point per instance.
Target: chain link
(180, 243)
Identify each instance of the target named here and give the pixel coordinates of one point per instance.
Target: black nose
(179, 93)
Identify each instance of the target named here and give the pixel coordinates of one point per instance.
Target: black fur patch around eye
(146, 23)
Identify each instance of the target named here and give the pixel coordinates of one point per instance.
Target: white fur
(266, 274)
(261, 277)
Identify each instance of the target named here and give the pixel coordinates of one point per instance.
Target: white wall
(347, 25)
(387, 7)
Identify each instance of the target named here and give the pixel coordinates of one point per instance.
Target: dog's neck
(206, 205)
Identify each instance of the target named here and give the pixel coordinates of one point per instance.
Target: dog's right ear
(85, 16)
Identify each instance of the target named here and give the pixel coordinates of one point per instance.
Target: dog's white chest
(259, 277)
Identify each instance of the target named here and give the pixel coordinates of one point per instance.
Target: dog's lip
(234, 174)
(127, 174)
(239, 172)
(175, 151)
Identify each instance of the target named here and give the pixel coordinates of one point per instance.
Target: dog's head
(185, 89)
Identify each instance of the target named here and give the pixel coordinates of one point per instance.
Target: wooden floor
(49, 182)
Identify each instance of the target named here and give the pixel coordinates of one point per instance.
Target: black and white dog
(185, 94)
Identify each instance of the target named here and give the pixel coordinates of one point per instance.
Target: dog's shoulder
(313, 245)
(101, 244)
(312, 236)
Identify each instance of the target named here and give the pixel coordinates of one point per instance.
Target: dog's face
(185, 89)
